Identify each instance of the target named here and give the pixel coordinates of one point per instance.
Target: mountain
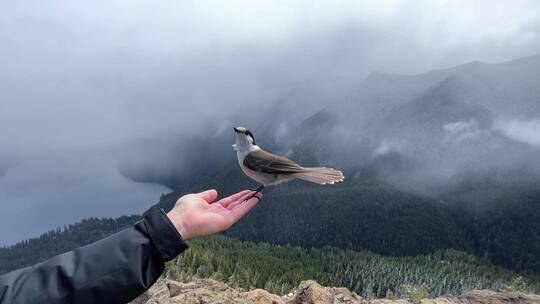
(512, 86)
(278, 269)
(469, 110)
(428, 154)
(390, 221)
(423, 154)
(430, 166)
(439, 128)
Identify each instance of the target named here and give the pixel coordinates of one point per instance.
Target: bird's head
(244, 138)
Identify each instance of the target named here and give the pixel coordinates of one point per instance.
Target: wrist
(163, 233)
(179, 224)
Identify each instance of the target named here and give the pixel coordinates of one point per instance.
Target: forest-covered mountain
(279, 269)
(381, 218)
(433, 162)
(429, 133)
(310, 216)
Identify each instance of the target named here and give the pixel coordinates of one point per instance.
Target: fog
(525, 131)
(87, 87)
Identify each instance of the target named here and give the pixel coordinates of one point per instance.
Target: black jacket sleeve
(113, 270)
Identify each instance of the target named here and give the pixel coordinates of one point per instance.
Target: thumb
(208, 195)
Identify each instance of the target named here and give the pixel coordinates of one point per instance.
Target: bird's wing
(262, 161)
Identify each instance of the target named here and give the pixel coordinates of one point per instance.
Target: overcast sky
(80, 81)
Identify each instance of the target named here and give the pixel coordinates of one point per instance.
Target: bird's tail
(320, 175)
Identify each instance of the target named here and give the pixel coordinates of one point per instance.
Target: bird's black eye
(248, 133)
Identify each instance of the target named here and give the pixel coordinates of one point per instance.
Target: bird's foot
(260, 189)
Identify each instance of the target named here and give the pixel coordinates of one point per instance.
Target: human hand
(195, 215)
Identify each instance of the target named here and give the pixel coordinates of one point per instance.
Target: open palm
(198, 215)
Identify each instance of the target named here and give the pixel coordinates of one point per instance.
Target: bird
(269, 169)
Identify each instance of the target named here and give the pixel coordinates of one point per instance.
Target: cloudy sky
(81, 81)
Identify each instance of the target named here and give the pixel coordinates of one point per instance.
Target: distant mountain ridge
(463, 109)
(428, 144)
(426, 167)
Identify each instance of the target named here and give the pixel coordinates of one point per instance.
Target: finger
(227, 200)
(208, 195)
(243, 199)
(240, 210)
(240, 200)
(240, 194)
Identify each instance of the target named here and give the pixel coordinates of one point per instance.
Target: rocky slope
(210, 291)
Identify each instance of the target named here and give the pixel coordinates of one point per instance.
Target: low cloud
(386, 147)
(524, 131)
(460, 131)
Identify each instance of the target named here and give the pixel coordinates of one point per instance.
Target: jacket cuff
(168, 241)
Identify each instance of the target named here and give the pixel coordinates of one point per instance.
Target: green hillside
(380, 218)
(280, 268)
(362, 216)
(357, 217)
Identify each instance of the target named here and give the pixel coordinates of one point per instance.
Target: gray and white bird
(269, 169)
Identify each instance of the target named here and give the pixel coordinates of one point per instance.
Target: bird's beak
(235, 130)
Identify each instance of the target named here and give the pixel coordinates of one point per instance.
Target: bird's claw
(258, 190)
(250, 197)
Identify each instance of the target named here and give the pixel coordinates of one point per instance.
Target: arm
(120, 267)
